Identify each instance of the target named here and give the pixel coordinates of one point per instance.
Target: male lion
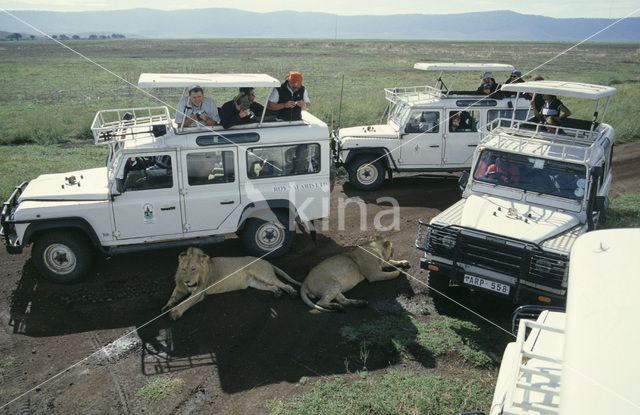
(340, 273)
(199, 275)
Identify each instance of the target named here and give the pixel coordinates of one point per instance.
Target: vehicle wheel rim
(270, 236)
(367, 174)
(60, 259)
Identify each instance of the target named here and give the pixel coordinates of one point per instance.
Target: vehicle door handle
(228, 202)
(434, 146)
(472, 145)
(168, 208)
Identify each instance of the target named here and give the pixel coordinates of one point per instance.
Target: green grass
(160, 388)
(624, 212)
(48, 94)
(20, 163)
(397, 392)
(411, 337)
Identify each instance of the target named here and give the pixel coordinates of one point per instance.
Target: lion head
(382, 245)
(193, 266)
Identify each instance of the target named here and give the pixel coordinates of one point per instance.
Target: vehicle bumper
(518, 293)
(7, 226)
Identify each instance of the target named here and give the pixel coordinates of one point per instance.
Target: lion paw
(404, 264)
(174, 314)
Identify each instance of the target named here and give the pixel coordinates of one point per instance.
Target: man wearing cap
(290, 98)
(196, 110)
(515, 77)
(488, 85)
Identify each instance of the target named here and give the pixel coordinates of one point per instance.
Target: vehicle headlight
(448, 241)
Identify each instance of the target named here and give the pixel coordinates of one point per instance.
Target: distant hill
(232, 23)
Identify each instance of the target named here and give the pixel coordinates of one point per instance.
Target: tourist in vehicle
(553, 110)
(236, 112)
(502, 171)
(536, 100)
(290, 98)
(489, 85)
(196, 110)
(454, 123)
(514, 78)
(254, 107)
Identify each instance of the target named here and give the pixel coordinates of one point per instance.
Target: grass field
(49, 94)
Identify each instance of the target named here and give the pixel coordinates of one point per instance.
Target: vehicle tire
(439, 282)
(366, 173)
(268, 239)
(62, 256)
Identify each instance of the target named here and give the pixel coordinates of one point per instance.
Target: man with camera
(237, 111)
(196, 110)
(290, 98)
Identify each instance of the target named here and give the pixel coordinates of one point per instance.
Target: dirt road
(234, 351)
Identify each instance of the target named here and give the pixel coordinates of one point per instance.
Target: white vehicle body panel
(582, 361)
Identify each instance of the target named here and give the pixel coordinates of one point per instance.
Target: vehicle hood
(90, 184)
(369, 131)
(515, 220)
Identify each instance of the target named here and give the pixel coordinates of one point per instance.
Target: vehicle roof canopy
(452, 66)
(601, 365)
(211, 80)
(562, 88)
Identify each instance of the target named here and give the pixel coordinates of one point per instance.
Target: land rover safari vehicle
(533, 190)
(420, 135)
(163, 186)
(581, 361)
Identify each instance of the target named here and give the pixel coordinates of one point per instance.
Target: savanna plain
(247, 352)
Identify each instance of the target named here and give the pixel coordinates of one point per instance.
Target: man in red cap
(290, 98)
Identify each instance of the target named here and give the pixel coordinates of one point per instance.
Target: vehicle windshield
(532, 174)
(400, 113)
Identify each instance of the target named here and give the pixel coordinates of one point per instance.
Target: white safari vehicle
(582, 361)
(533, 190)
(421, 134)
(165, 186)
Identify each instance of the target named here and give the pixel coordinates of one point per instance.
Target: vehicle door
(421, 144)
(149, 203)
(211, 191)
(461, 137)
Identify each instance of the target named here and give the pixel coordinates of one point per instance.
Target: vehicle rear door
(211, 188)
(461, 137)
(421, 144)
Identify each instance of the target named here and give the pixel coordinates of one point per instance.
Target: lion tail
(304, 294)
(285, 276)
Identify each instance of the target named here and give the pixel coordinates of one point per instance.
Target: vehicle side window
(464, 121)
(423, 122)
(148, 172)
(283, 160)
(210, 167)
(493, 114)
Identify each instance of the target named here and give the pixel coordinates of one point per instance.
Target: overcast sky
(552, 8)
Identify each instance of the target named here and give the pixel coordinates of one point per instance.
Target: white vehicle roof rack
(206, 80)
(452, 66)
(562, 88)
(119, 125)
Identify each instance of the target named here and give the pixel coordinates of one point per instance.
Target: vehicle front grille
(514, 258)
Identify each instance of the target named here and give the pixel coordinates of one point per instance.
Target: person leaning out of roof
(553, 110)
(196, 110)
(236, 112)
(489, 85)
(290, 98)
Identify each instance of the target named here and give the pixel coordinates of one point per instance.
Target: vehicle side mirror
(462, 181)
(119, 186)
(602, 203)
(596, 171)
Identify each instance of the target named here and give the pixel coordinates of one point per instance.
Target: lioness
(340, 273)
(199, 275)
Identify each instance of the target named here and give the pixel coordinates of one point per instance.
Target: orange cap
(293, 76)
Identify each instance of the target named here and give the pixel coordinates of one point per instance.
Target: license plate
(486, 284)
